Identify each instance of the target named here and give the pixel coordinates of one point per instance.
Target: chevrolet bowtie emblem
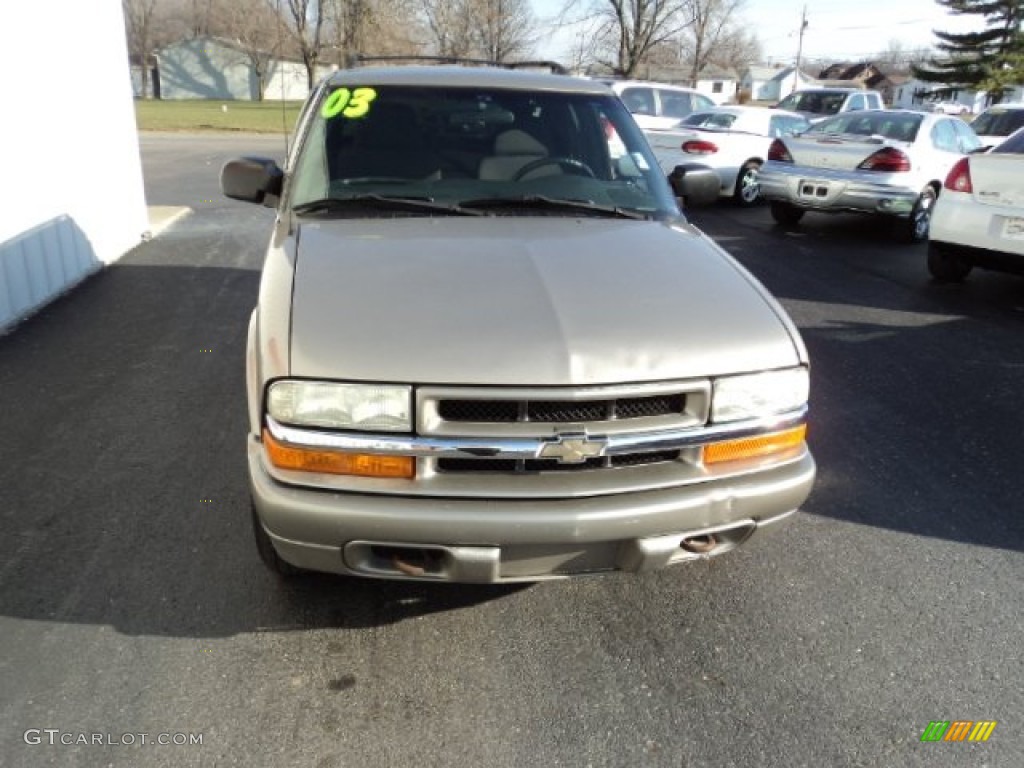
(573, 448)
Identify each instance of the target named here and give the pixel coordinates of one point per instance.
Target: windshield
(998, 122)
(891, 125)
(818, 102)
(460, 145)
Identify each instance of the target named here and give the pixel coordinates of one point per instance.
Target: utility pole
(800, 49)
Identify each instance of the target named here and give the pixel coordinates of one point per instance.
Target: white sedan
(979, 219)
(889, 163)
(950, 108)
(731, 141)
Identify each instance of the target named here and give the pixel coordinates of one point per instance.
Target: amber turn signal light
(337, 462)
(754, 447)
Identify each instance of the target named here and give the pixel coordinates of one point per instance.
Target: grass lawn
(211, 115)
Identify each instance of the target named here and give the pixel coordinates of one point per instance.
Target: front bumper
(821, 189)
(488, 540)
(697, 184)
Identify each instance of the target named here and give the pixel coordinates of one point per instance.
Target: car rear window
(713, 120)
(890, 125)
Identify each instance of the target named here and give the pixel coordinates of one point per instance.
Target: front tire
(785, 214)
(915, 229)
(748, 185)
(947, 266)
(267, 552)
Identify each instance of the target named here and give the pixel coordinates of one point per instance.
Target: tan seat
(513, 151)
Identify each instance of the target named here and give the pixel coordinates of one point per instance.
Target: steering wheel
(569, 163)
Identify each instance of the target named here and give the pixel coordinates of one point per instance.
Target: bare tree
(713, 22)
(304, 21)
(636, 27)
(450, 26)
(896, 59)
(140, 21)
(348, 26)
(253, 28)
(503, 29)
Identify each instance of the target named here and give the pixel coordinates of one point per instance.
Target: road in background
(132, 600)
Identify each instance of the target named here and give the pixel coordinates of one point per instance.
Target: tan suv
(488, 347)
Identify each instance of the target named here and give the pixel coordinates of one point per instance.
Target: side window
(639, 101)
(874, 100)
(856, 102)
(702, 102)
(944, 137)
(785, 126)
(967, 139)
(675, 104)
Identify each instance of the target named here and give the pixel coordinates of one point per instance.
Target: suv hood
(525, 301)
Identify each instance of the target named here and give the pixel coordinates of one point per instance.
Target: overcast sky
(839, 29)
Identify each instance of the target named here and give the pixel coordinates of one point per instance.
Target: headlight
(366, 407)
(759, 395)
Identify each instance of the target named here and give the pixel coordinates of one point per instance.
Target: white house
(73, 197)
(719, 86)
(216, 68)
(773, 83)
(915, 94)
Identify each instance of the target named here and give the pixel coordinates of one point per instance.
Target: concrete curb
(163, 216)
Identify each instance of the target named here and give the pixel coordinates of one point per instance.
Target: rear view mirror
(252, 179)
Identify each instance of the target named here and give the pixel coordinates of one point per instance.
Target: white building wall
(287, 80)
(72, 198)
(725, 93)
(203, 68)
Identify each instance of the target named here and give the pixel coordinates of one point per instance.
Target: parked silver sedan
(885, 162)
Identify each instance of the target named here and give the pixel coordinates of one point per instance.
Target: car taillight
(699, 147)
(959, 178)
(887, 160)
(777, 151)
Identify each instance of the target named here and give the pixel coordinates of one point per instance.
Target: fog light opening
(409, 561)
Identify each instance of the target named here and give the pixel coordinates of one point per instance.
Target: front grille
(560, 411)
(532, 466)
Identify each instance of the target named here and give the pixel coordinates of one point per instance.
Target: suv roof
(837, 89)
(614, 81)
(469, 77)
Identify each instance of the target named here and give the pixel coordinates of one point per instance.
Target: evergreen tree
(991, 60)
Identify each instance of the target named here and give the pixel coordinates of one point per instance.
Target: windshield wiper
(538, 202)
(382, 202)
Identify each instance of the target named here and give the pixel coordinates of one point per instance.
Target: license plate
(1013, 228)
(809, 188)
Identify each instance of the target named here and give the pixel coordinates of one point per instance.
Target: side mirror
(252, 179)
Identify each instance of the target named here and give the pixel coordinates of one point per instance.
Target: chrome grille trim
(528, 447)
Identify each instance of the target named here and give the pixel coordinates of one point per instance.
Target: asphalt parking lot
(132, 599)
